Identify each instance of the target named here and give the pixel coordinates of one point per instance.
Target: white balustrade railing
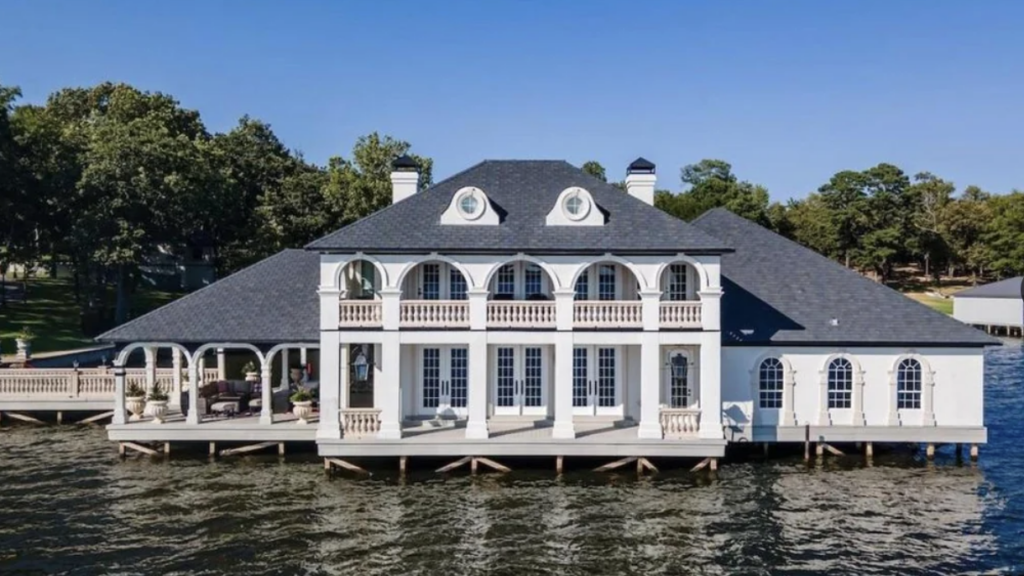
(679, 422)
(680, 314)
(359, 313)
(520, 314)
(29, 383)
(434, 314)
(608, 314)
(360, 422)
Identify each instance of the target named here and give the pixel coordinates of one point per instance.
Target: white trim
(702, 273)
(483, 215)
(857, 394)
(589, 214)
(927, 390)
(787, 416)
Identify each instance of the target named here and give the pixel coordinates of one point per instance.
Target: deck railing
(679, 422)
(680, 314)
(608, 314)
(520, 314)
(27, 383)
(360, 422)
(434, 314)
(359, 314)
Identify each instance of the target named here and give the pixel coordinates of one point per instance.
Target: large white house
(526, 308)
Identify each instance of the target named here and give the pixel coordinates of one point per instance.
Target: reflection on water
(69, 506)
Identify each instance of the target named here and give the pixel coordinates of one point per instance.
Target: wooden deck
(238, 429)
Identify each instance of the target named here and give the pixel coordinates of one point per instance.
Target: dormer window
(469, 205)
(575, 207)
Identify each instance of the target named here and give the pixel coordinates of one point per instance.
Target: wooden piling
(167, 448)
(714, 464)
(869, 449)
(60, 417)
(280, 448)
(559, 462)
(929, 452)
(402, 463)
(974, 452)
(213, 449)
(807, 443)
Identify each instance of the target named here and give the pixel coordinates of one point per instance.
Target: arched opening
(360, 280)
(435, 280)
(521, 280)
(605, 281)
(679, 282)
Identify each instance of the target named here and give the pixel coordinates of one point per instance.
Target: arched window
(840, 384)
(679, 381)
(770, 382)
(908, 385)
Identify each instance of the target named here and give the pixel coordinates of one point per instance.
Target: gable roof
(523, 192)
(777, 291)
(272, 301)
(1009, 288)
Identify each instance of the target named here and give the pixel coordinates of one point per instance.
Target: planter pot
(303, 410)
(157, 409)
(136, 405)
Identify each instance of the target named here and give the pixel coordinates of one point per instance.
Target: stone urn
(24, 347)
(303, 410)
(252, 377)
(158, 410)
(136, 405)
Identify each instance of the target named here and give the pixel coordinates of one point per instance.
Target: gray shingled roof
(523, 191)
(272, 301)
(1009, 288)
(776, 291)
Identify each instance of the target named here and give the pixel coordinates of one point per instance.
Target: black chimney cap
(405, 164)
(641, 166)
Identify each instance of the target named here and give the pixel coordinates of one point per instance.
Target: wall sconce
(677, 366)
(362, 367)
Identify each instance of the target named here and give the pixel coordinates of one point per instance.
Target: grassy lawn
(51, 312)
(944, 305)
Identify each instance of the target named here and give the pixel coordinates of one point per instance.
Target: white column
(194, 383)
(120, 416)
(563, 427)
(858, 398)
(267, 398)
(564, 309)
(150, 355)
(330, 351)
(344, 376)
(201, 368)
(651, 303)
(710, 374)
(284, 366)
(303, 357)
(476, 425)
(788, 410)
(711, 308)
(175, 378)
(650, 387)
(390, 308)
(387, 391)
(477, 308)
(222, 369)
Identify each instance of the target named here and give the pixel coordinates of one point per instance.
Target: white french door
(444, 381)
(520, 380)
(597, 381)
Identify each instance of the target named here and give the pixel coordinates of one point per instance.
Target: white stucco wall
(989, 311)
(958, 389)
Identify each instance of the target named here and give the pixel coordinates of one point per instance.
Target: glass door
(596, 381)
(444, 381)
(520, 381)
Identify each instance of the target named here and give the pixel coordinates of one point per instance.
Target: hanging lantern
(362, 367)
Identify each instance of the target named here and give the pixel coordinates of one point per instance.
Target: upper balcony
(519, 296)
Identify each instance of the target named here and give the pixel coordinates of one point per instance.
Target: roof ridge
(177, 301)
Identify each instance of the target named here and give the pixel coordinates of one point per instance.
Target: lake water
(69, 506)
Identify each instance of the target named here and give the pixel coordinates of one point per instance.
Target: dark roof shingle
(272, 301)
(524, 191)
(777, 291)
(1009, 288)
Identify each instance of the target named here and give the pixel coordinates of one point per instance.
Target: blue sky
(789, 91)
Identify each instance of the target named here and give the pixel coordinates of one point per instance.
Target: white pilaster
(477, 308)
(284, 366)
(564, 309)
(267, 398)
(563, 427)
(175, 378)
(330, 303)
(387, 390)
(150, 355)
(788, 408)
(651, 303)
(858, 398)
(303, 357)
(711, 308)
(710, 374)
(194, 382)
(222, 365)
(476, 424)
(120, 416)
(330, 385)
(344, 375)
(390, 308)
(650, 387)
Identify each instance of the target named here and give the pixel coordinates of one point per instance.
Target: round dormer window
(470, 204)
(576, 204)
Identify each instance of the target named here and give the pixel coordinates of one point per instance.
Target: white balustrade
(680, 314)
(360, 422)
(520, 314)
(359, 313)
(608, 314)
(29, 383)
(679, 422)
(434, 314)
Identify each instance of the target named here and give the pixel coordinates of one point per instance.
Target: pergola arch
(198, 353)
(125, 352)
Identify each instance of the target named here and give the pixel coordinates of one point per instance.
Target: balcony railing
(680, 314)
(608, 314)
(360, 314)
(360, 422)
(680, 422)
(520, 314)
(434, 314)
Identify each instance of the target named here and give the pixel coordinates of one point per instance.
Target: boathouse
(525, 308)
(997, 307)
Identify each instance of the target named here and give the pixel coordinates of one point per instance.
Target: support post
(710, 374)
(974, 452)
(388, 393)
(150, 355)
(194, 383)
(869, 449)
(266, 394)
(650, 387)
(807, 443)
(222, 368)
(403, 461)
(284, 366)
(563, 428)
(331, 352)
(120, 412)
(476, 424)
(929, 451)
(175, 378)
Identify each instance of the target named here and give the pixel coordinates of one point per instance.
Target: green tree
(363, 185)
(1004, 234)
(846, 204)
(810, 223)
(595, 169)
(711, 184)
(932, 196)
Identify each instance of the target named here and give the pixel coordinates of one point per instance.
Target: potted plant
(251, 372)
(135, 400)
(156, 404)
(302, 405)
(24, 340)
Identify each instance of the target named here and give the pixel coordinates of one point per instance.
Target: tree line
(875, 220)
(102, 177)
